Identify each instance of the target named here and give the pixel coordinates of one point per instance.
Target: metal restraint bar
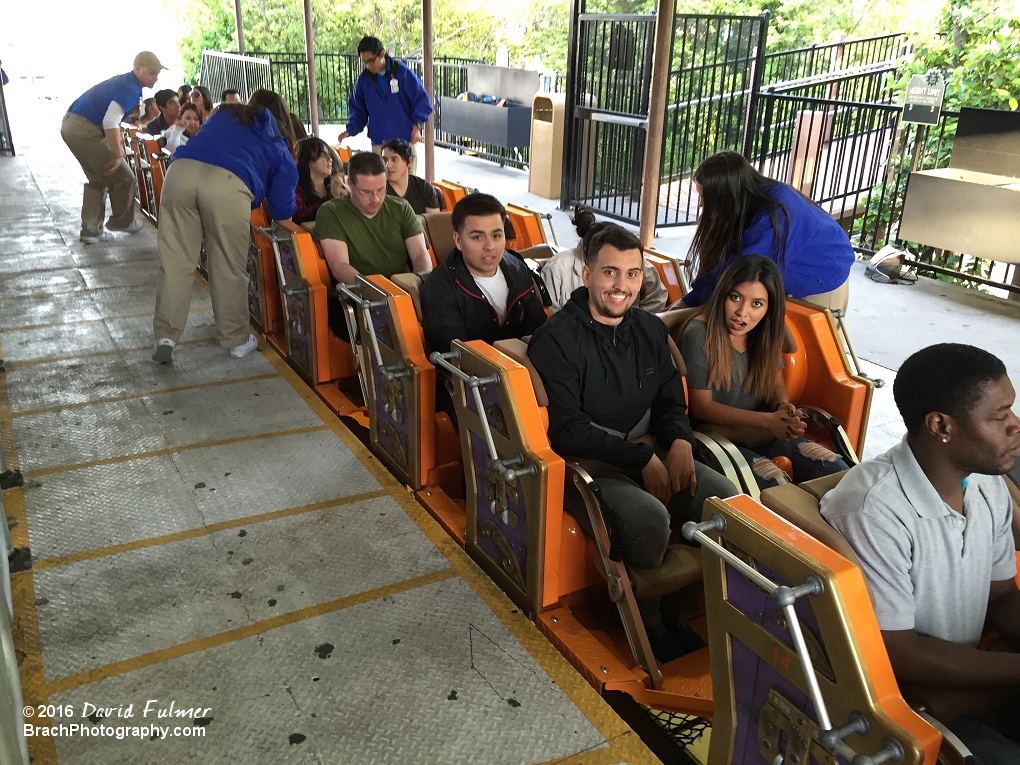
(839, 314)
(389, 373)
(270, 233)
(507, 469)
(829, 737)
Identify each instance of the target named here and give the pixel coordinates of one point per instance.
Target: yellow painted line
(240, 633)
(201, 531)
(626, 747)
(38, 295)
(146, 394)
(26, 327)
(172, 450)
(25, 629)
(570, 681)
(93, 354)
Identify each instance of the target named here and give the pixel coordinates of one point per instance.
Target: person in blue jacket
(91, 130)
(236, 160)
(388, 97)
(745, 213)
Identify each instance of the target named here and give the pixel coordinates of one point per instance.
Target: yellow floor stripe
(240, 633)
(146, 394)
(172, 450)
(27, 327)
(201, 531)
(75, 356)
(574, 686)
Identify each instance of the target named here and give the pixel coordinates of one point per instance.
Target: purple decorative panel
(502, 537)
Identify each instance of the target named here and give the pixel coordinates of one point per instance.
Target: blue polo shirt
(125, 89)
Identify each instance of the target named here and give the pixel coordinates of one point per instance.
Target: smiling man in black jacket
(482, 291)
(610, 379)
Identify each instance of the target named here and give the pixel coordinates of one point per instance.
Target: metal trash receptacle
(545, 169)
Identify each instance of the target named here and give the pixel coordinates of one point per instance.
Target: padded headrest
(411, 284)
(676, 321)
(518, 351)
(439, 229)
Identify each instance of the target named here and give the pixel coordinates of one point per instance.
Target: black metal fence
(716, 66)
(336, 74)
(6, 141)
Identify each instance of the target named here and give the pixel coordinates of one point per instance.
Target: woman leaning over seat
(320, 178)
(744, 212)
(238, 159)
(733, 353)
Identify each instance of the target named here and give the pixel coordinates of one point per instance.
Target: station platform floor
(209, 537)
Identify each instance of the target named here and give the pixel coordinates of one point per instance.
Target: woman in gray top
(733, 352)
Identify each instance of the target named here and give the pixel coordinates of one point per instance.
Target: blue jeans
(809, 459)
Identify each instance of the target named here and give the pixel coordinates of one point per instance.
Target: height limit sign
(923, 102)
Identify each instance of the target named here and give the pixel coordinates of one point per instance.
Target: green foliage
(208, 24)
(978, 50)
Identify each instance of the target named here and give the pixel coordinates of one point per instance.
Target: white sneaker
(102, 236)
(134, 226)
(240, 351)
(163, 352)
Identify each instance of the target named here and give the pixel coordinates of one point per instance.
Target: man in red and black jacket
(482, 291)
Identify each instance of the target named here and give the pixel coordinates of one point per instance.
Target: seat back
(819, 374)
(264, 306)
(158, 164)
(670, 272)
(438, 234)
(764, 706)
(401, 382)
(514, 508)
(143, 173)
(452, 193)
(528, 226)
(411, 284)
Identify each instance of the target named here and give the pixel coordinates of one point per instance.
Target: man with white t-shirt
(91, 130)
(482, 291)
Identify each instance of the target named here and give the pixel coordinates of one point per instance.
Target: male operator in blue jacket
(388, 97)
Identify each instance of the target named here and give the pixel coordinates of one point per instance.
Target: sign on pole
(923, 101)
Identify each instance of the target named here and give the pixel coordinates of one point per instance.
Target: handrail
(391, 372)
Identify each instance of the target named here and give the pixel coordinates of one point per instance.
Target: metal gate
(6, 142)
(716, 66)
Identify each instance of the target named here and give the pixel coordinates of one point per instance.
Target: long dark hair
(309, 150)
(764, 342)
(267, 99)
(732, 194)
(206, 97)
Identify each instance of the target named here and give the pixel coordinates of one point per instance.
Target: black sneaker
(683, 633)
(665, 647)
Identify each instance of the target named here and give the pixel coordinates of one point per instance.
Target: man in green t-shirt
(368, 232)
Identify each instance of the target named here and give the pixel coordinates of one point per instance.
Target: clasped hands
(786, 422)
(663, 479)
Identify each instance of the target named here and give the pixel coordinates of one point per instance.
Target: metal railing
(782, 66)
(230, 71)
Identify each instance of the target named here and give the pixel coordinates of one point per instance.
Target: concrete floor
(209, 536)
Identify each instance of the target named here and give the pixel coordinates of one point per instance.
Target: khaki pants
(87, 142)
(839, 298)
(201, 200)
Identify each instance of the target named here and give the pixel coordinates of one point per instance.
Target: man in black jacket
(610, 379)
(482, 291)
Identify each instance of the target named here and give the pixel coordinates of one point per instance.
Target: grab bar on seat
(508, 469)
(829, 737)
(269, 233)
(391, 372)
(838, 314)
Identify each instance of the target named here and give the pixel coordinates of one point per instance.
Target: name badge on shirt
(394, 86)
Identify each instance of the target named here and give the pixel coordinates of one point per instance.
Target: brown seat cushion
(439, 229)
(818, 487)
(518, 351)
(411, 284)
(681, 567)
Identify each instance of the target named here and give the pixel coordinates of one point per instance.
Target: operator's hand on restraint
(680, 464)
(340, 138)
(656, 479)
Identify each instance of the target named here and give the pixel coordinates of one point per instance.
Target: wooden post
(656, 119)
(240, 26)
(428, 80)
(313, 95)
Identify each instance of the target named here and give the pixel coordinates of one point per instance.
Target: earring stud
(945, 440)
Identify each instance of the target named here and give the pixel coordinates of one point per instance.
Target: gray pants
(994, 739)
(642, 522)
